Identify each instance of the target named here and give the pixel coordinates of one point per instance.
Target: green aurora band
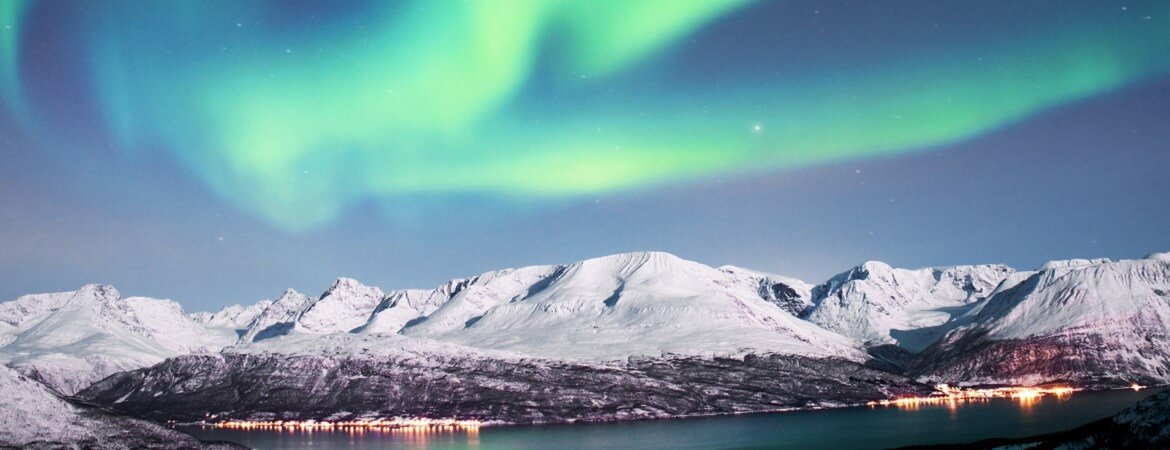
(432, 98)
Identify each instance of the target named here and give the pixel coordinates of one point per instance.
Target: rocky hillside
(341, 376)
(33, 417)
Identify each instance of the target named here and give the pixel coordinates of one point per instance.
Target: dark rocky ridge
(277, 386)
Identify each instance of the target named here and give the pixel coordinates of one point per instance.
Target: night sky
(217, 152)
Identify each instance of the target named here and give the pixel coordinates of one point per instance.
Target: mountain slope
(1095, 323)
(19, 314)
(790, 294)
(348, 376)
(82, 336)
(880, 305)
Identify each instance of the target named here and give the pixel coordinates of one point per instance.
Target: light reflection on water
(862, 428)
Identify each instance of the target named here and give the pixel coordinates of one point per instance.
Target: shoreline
(386, 424)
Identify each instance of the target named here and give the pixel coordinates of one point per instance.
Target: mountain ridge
(606, 308)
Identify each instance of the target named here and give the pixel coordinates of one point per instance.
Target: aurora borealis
(300, 114)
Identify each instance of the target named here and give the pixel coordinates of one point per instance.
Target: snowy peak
(345, 306)
(879, 304)
(234, 317)
(278, 317)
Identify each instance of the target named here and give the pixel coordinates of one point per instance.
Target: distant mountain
(623, 305)
(69, 340)
(33, 417)
(880, 305)
(1089, 322)
(236, 317)
(278, 317)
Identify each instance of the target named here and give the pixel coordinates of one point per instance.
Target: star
(757, 128)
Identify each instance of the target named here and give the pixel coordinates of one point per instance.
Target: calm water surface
(859, 428)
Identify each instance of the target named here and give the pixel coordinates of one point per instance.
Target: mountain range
(636, 335)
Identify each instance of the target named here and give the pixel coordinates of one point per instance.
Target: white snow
(1056, 264)
(368, 345)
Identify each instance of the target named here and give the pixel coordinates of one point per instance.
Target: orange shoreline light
(406, 425)
(946, 394)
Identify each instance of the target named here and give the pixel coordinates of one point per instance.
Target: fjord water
(859, 428)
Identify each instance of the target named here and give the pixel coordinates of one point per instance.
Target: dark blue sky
(1084, 176)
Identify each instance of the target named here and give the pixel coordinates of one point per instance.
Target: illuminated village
(946, 394)
(403, 425)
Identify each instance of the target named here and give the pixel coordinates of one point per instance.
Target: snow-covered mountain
(1092, 322)
(617, 306)
(278, 317)
(69, 340)
(879, 305)
(32, 416)
(345, 306)
(1082, 320)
